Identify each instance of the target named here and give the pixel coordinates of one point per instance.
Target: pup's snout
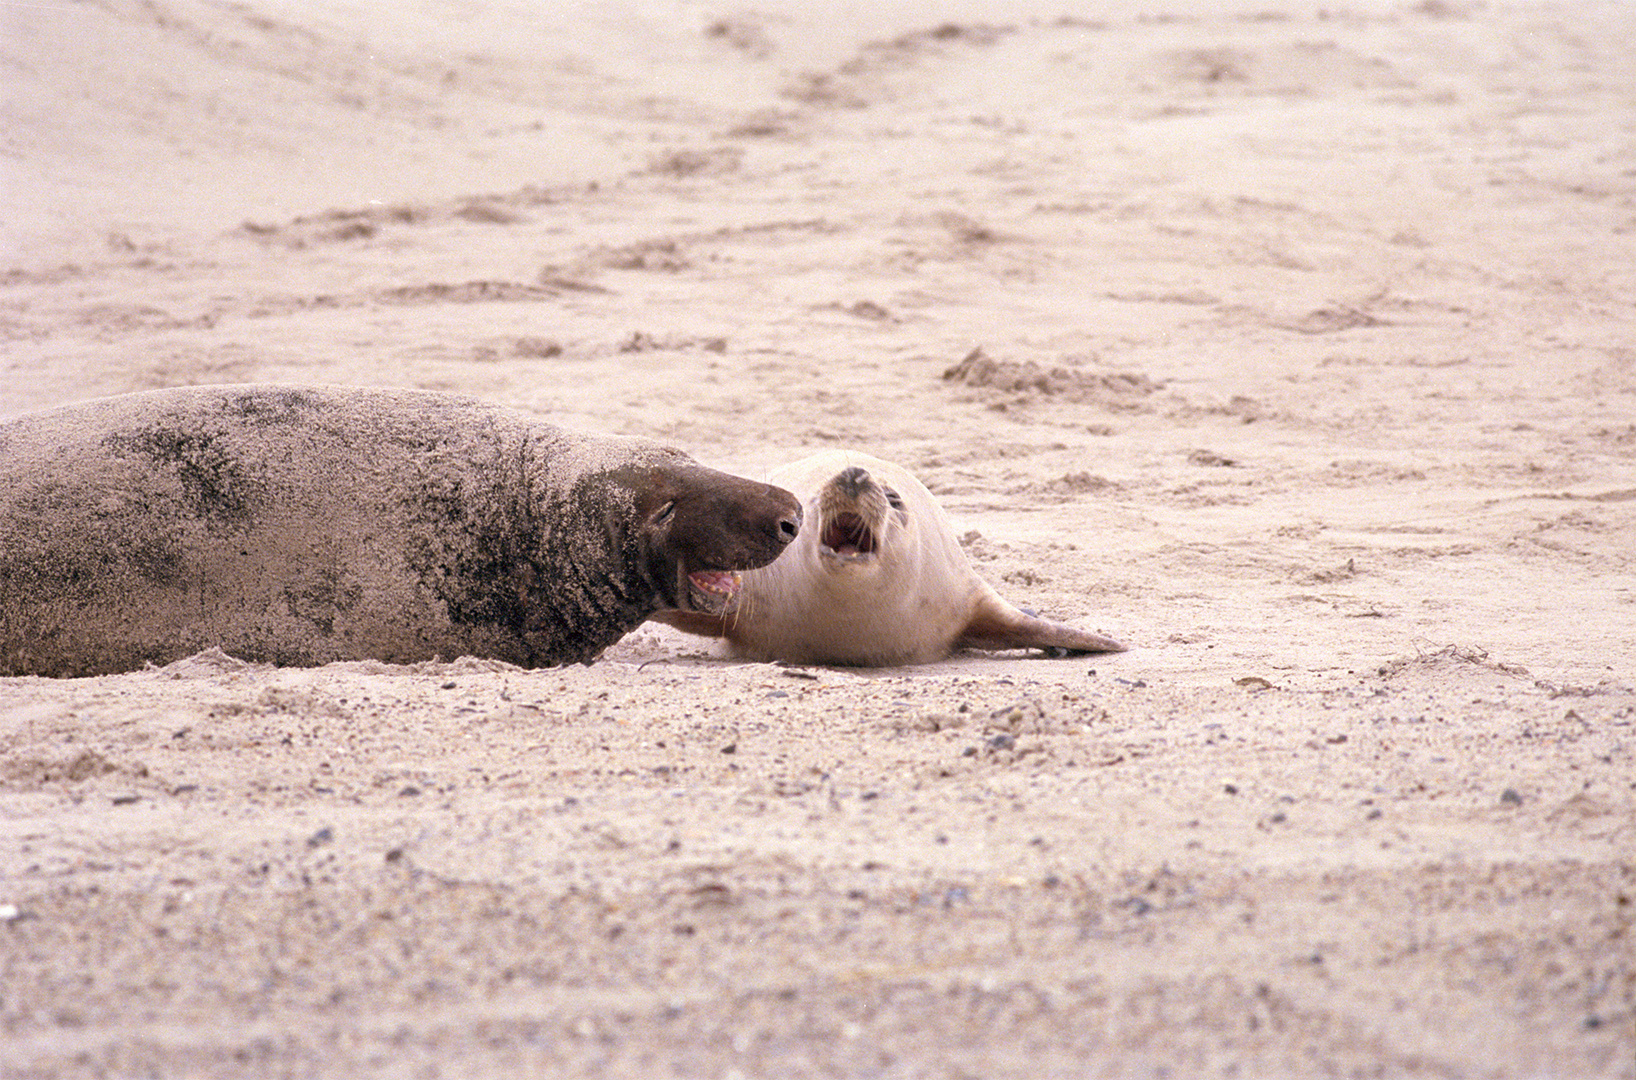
(852, 480)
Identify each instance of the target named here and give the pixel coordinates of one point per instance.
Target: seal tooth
(715, 582)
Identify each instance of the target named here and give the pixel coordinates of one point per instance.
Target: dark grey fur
(302, 525)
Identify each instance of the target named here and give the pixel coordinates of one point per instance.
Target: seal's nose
(852, 480)
(789, 525)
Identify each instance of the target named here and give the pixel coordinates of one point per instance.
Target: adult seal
(875, 578)
(303, 525)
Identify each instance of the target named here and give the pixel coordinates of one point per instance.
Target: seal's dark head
(561, 552)
(696, 528)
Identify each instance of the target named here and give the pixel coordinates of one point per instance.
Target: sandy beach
(1292, 344)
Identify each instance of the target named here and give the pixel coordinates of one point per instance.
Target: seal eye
(665, 513)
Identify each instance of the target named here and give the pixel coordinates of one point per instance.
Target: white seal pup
(875, 578)
(302, 525)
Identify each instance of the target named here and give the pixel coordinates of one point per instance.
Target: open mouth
(848, 535)
(710, 591)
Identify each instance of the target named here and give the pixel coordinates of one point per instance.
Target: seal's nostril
(787, 529)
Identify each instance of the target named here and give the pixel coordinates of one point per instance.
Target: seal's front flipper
(997, 625)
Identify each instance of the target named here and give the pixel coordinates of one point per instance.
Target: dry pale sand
(1307, 365)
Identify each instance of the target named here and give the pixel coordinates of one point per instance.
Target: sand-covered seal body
(303, 525)
(876, 577)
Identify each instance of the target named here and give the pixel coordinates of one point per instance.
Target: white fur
(906, 604)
